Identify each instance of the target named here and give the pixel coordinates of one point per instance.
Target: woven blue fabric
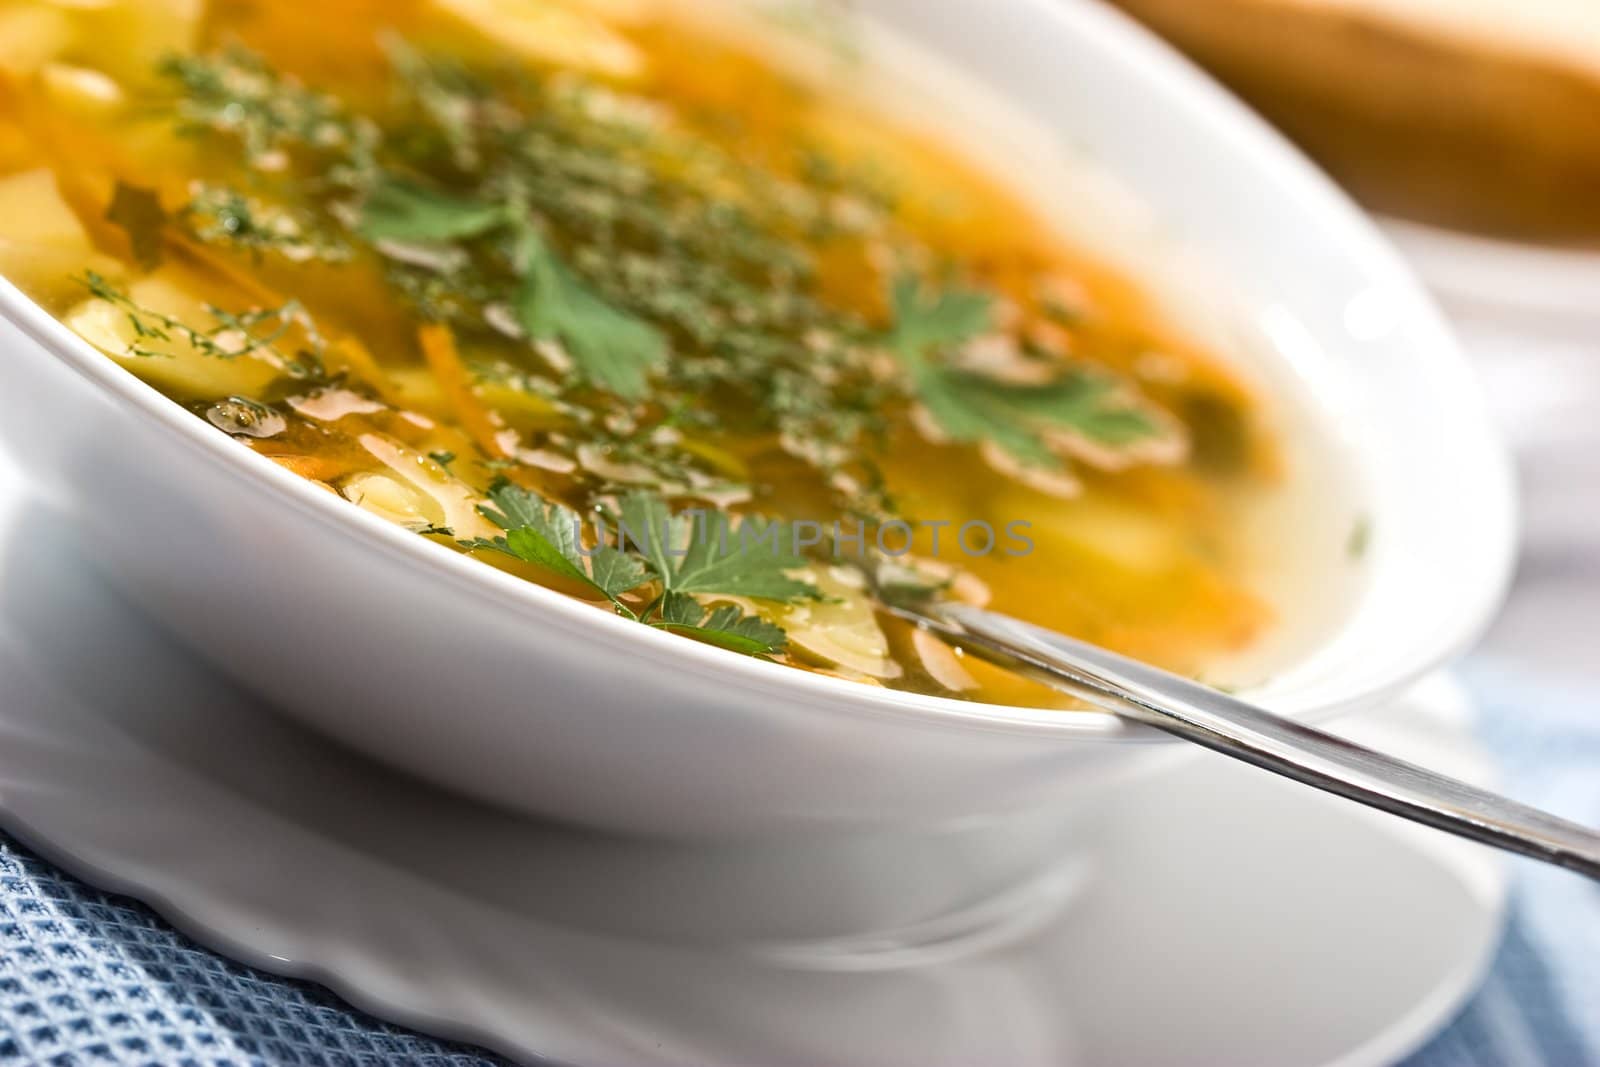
(1540, 1006)
(91, 978)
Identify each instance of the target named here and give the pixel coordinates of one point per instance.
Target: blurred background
(1472, 129)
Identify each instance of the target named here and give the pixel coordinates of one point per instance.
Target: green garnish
(513, 203)
(235, 93)
(236, 334)
(611, 348)
(704, 552)
(725, 627)
(973, 408)
(220, 215)
(547, 535)
(401, 210)
(924, 325)
(713, 561)
(581, 247)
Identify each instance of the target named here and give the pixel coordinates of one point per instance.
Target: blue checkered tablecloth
(89, 978)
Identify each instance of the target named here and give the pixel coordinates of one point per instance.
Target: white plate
(1231, 918)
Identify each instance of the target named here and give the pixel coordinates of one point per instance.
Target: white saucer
(1229, 918)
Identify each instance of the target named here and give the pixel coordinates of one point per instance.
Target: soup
(633, 304)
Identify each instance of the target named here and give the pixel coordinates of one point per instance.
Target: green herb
(547, 535)
(401, 210)
(727, 627)
(972, 408)
(503, 199)
(611, 348)
(138, 213)
(217, 214)
(645, 263)
(704, 552)
(923, 326)
(443, 459)
(234, 335)
(235, 94)
(447, 98)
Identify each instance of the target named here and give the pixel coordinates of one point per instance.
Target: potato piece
(82, 91)
(1121, 535)
(141, 33)
(841, 631)
(521, 408)
(450, 502)
(17, 152)
(941, 662)
(31, 35)
(44, 243)
(416, 389)
(393, 500)
(548, 32)
(182, 371)
(35, 213)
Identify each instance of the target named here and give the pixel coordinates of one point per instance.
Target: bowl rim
(1279, 164)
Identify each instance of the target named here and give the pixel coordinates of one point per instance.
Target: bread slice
(1482, 114)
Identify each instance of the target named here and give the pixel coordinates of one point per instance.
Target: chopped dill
(233, 336)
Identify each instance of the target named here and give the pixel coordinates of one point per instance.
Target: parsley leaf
(971, 416)
(751, 559)
(401, 210)
(611, 348)
(972, 408)
(704, 552)
(616, 572)
(546, 535)
(950, 318)
(727, 627)
(646, 524)
(138, 212)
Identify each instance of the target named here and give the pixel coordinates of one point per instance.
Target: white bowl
(491, 685)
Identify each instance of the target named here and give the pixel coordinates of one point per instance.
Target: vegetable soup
(630, 302)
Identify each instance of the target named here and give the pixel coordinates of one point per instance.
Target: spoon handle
(1187, 709)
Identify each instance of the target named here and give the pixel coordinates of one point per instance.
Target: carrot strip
(438, 343)
(312, 468)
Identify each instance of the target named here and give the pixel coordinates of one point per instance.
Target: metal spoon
(1187, 709)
